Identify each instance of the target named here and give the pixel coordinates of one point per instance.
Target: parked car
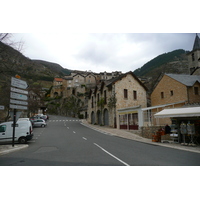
(44, 117)
(39, 123)
(23, 131)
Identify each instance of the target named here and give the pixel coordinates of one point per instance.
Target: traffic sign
(19, 83)
(2, 107)
(18, 107)
(18, 90)
(19, 102)
(14, 95)
(18, 113)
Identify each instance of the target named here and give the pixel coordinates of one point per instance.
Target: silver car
(39, 123)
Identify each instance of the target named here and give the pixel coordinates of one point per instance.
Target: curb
(10, 149)
(142, 140)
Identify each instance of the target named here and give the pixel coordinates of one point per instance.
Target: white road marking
(84, 138)
(74, 132)
(111, 154)
(67, 127)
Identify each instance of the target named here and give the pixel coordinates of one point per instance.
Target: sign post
(17, 93)
(14, 124)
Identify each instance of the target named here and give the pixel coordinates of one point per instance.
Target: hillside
(171, 62)
(13, 62)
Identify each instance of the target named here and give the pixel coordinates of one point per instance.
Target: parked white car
(23, 131)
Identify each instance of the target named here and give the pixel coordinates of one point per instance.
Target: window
(92, 102)
(193, 57)
(105, 98)
(134, 95)
(125, 94)
(162, 95)
(2, 128)
(171, 92)
(196, 90)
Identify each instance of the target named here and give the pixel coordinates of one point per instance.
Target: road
(67, 142)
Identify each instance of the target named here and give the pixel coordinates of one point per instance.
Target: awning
(129, 110)
(179, 112)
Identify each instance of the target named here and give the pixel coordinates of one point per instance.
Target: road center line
(74, 132)
(111, 154)
(84, 138)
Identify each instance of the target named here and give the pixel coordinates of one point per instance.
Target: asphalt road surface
(67, 142)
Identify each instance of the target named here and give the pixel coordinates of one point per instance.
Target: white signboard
(18, 107)
(2, 107)
(18, 90)
(19, 102)
(14, 95)
(19, 83)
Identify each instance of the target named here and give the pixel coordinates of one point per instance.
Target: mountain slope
(13, 62)
(172, 62)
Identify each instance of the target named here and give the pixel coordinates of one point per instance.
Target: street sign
(19, 102)
(18, 90)
(2, 107)
(14, 95)
(19, 83)
(18, 107)
(18, 113)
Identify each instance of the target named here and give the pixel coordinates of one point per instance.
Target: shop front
(129, 118)
(185, 126)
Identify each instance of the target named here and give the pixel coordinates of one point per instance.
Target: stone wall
(147, 132)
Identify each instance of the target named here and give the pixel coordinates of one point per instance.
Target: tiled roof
(58, 79)
(187, 80)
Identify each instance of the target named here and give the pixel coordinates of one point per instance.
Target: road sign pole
(14, 124)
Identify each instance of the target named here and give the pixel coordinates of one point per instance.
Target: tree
(72, 106)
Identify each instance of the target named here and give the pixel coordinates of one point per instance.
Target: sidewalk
(132, 136)
(8, 148)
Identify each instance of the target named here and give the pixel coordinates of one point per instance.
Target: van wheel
(42, 125)
(22, 140)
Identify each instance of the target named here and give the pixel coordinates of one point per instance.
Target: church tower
(194, 57)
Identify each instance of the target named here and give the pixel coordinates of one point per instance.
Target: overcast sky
(100, 35)
(101, 52)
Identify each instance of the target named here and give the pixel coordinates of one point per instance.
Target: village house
(113, 102)
(57, 88)
(175, 91)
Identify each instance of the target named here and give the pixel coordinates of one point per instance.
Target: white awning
(179, 112)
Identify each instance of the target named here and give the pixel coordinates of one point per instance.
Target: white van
(23, 131)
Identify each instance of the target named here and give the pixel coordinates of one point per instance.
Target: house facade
(109, 97)
(175, 91)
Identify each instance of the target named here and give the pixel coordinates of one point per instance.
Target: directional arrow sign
(18, 107)
(14, 95)
(18, 90)
(19, 102)
(18, 83)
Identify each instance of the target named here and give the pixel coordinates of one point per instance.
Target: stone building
(175, 90)
(57, 88)
(108, 99)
